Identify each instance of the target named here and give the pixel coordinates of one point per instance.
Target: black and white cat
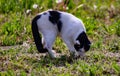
(70, 28)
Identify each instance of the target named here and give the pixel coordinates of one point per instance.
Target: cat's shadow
(59, 61)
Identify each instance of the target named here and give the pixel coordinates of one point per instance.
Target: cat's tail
(36, 35)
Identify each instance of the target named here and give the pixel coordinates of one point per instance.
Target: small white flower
(95, 7)
(28, 11)
(67, 8)
(59, 1)
(35, 6)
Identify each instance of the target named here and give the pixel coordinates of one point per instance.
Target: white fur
(71, 28)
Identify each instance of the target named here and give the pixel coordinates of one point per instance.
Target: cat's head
(82, 44)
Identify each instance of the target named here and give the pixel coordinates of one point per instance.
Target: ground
(19, 56)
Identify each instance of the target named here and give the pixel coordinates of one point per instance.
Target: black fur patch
(77, 46)
(55, 19)
(84, 42)
(44, 13)
(59, 24)
(36, 36)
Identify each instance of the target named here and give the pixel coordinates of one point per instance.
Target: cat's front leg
(70, 45)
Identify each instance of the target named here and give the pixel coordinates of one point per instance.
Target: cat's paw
(79, 54)
(52, 54)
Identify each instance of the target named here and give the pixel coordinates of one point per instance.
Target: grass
(18, 54)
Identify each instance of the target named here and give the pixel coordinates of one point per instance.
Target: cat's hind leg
(48, 40)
